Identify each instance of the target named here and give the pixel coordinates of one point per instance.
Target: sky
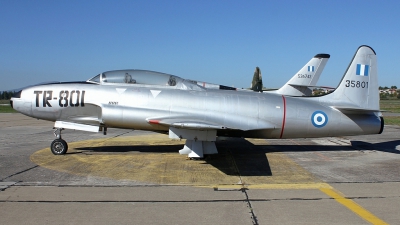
(215, 41)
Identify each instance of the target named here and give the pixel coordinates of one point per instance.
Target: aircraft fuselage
(244, 114)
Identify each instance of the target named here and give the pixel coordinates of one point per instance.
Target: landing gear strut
(58, 146)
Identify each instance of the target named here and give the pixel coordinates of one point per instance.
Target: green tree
(6, 95)
(383, 96)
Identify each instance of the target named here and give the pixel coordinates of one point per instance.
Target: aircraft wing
(197, 124)
(188, 124)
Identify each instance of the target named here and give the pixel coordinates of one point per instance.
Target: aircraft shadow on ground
(388, 146)
(132, 148)
(235, 157)
(241, 157)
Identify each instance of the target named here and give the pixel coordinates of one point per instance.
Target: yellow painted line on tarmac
(353, 206)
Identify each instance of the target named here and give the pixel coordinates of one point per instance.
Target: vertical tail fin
(359, 86)
(306, 76)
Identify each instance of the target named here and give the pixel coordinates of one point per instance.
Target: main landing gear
(58, 146)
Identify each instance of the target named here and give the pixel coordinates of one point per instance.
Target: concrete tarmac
(132, 177)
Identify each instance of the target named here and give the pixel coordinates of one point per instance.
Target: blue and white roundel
(319, 119)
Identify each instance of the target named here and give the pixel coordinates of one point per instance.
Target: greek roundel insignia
(319, 119)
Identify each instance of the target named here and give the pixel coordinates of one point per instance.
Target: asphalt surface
(132, 177)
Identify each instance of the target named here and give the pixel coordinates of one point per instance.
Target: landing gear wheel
(59, 147)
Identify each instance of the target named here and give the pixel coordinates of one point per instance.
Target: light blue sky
(214, 41)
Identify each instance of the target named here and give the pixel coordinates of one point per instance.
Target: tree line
(392, 94)
(6, 95)
(384, 88)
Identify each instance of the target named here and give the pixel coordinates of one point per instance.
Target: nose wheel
(58, 146)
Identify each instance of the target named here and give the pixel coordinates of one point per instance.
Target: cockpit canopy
(135, 77)
(143, 77)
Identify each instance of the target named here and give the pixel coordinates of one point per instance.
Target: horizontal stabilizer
(355, 110)
(309, 86)
(76, 126)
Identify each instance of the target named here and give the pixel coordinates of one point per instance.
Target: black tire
(59, 147)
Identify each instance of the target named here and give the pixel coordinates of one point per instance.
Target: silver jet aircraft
(300, 84)
(146, 100)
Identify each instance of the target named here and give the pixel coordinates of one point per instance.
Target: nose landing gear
(58, 146)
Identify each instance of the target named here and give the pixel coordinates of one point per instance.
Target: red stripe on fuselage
(154, 121)
(284, 116)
